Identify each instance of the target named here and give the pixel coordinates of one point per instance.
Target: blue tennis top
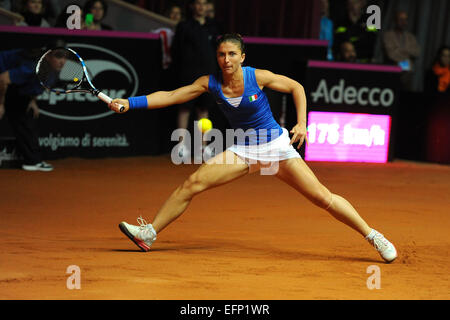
(21, 72)
(252, 115)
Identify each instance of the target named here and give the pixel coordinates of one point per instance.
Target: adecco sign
(98, 61)
(351, 95)
(351, 111)
(352, 87)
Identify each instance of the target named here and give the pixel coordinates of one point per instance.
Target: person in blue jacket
(326, 27)
(238, 92)
(19, 88)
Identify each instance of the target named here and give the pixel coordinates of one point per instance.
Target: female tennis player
(238, 91)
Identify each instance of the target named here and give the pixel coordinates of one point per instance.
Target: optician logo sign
(109, 71)
(350, 95)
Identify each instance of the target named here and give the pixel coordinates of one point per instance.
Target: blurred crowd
(50, 13)
(350, 38)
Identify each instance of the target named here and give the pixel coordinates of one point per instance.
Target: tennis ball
(204, 125)
(75, 79)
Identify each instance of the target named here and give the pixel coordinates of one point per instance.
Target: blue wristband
(138, 102)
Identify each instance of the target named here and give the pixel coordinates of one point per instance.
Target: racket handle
(108, 100)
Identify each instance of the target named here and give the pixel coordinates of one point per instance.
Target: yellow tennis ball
(204, 125)
(75, 79)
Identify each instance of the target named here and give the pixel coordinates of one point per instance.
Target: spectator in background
(210, 10)
(211, 15)
(437, 84)
(6, 4)
(99, 9)
(194, 55)
(53, 9)
(33, 11)
(401, 48)
(347, 52)
(353, 28)
(19, 88)
(438, 78)
(326, 27)
(174, 13)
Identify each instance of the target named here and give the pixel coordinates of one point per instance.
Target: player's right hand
(114, 105)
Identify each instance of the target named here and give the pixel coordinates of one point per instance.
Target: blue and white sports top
(253, 112)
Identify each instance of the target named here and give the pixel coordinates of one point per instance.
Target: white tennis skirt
(274, 151)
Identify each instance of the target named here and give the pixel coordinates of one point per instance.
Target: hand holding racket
(62, 70)
(119, 105)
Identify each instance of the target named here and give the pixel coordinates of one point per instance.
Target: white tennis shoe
(41, 166)
(386, 249)
(143, 235)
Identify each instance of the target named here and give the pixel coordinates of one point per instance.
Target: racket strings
(60, 69)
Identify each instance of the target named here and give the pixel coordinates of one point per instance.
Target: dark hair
(231, 37)
(171, 6)
(22, 6)
(90, 3)
(439, 53)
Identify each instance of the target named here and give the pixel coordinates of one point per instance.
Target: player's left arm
(285, 84)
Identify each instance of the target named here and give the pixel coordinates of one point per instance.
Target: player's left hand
(114, 105)
(299, 134)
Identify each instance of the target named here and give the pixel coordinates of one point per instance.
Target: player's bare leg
(221, 169)
(298, 175)
(217, 171)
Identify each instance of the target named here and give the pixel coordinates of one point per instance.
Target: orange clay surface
(255, 238)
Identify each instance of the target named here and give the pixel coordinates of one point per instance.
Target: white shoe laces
(380, 242)
(142, 222)
(145, 228)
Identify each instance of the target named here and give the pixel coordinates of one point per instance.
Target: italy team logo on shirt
(253, 98)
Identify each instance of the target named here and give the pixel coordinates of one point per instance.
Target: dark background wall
(280, 18)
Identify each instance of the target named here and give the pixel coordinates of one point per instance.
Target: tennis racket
(62, 70)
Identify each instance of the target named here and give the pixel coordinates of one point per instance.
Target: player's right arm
(161, 99)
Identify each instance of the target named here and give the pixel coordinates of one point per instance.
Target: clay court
(255, 238)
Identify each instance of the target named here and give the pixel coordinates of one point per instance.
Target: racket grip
(108, 100)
